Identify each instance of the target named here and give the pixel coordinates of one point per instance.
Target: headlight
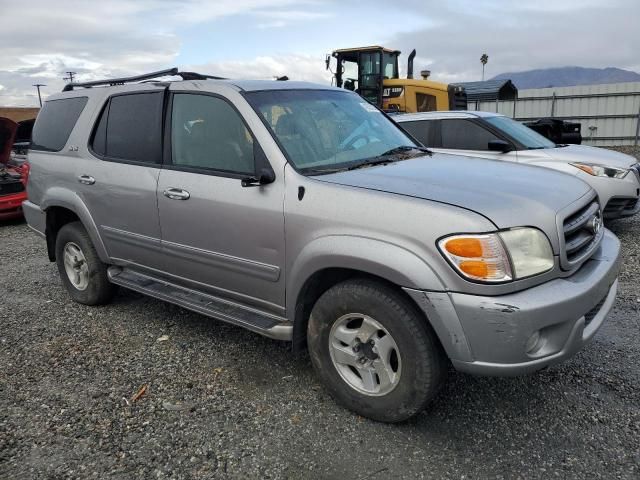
(601, 170)
(499, 257)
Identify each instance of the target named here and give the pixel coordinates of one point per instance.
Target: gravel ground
(225, 403)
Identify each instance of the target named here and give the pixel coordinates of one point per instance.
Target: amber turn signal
(464, 247)
(478, 256)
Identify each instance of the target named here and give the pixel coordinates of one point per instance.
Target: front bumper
(619, 207)
(493, 335)
(11, 205)
(618, 197)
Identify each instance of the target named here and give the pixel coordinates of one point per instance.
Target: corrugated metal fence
(609, 114)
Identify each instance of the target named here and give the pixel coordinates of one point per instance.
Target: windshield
(324, 129)
(520, 133)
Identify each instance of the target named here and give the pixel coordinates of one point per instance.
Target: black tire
(98, 290)
(424, 364)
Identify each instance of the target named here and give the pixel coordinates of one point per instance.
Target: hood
(7, 134)
(582, 153)
(508, 194)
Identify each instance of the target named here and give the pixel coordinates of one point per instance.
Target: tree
(483, 60)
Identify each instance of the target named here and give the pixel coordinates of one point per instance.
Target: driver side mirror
(265, 177)
(500, 146)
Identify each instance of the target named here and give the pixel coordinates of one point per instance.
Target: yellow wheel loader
(372, 72)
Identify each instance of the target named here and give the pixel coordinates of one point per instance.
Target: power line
(70, 76)
(38, 85)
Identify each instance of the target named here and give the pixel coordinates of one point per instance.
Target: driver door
(217, 235)
(464, 137)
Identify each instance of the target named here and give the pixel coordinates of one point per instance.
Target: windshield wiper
(374, 161)
(381, 159)
(404, 148)
(323, 171)
(384, 158)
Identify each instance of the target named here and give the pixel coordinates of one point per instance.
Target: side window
(55, 122)
(425, 103)
(134, 129)
(99, 143)
(465, 135)
(423, 130)
(207, 133)
(130, 128)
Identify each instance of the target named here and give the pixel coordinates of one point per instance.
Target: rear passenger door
(425, 131)
(217, 235)
(119, 183)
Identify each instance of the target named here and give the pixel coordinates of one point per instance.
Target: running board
(268, 325)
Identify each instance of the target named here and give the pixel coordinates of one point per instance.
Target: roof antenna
(283, 78)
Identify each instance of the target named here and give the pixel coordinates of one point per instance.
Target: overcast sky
(41, 39)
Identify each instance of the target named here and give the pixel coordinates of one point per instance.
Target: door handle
(176, 194)
(86, 179)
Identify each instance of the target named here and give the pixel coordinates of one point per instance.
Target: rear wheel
(82, 272)
(374, 351)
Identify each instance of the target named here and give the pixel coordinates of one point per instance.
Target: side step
(271, 326)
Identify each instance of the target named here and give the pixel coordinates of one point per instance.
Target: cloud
(124, 37)
(309, 68)
(86, 37)
(524, 36)
(199, 11)
(275, 24)
(115, 38)
(283, 18)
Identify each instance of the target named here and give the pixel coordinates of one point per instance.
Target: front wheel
(374, 351)
(82, 272)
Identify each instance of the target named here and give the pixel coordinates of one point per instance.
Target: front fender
(62, 197)
(389, 261)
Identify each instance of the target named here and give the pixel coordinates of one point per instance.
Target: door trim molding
(135, 239)
(220, 260)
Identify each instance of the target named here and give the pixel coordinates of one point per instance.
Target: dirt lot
(223, 402)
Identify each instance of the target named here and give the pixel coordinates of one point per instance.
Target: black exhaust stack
(410, 63)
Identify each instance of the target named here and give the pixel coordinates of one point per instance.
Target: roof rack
(138, 78)
(198, 76)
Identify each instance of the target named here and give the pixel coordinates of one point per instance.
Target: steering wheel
(350, 144)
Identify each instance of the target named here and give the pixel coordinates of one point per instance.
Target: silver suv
(303, 213)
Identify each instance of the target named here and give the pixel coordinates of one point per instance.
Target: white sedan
(615, 176)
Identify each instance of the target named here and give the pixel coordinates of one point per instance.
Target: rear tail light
(24, 170)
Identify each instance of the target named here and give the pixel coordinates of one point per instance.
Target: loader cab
(364, 70)
(373, 73)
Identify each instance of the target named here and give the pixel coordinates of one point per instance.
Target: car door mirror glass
(499, 146)
(265, 177)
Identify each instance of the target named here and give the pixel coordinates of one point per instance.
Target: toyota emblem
(595, 224)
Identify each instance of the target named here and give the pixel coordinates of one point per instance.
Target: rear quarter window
(55, 123)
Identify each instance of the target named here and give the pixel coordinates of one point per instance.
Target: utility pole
(70, 77)
(38, 85)
(483, 60)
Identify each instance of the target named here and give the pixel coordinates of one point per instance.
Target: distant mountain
(567, 76)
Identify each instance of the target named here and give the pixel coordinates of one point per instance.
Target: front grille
(590, 315)
(618, 205)
(11, 187)
(582, 230)
(636, 170)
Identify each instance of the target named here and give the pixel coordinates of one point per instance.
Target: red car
(13, 173)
